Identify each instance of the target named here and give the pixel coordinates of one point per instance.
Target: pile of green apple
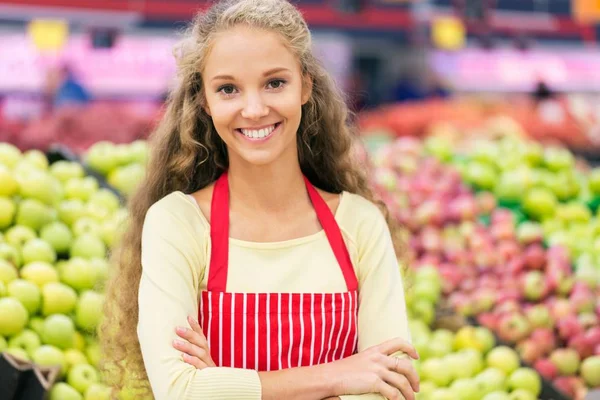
(123, 165)
(57, 227)
(466, 364)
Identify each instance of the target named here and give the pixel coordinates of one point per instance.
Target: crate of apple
(122, 165)
(461, 362)
(57, 227)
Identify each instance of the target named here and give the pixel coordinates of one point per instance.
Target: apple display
(58, 235)
(63, 391)
(58, 331)
(82, 376)
(58, 298)
(40, 273)
(38, 250)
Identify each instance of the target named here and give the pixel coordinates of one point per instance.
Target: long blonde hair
(187, 155)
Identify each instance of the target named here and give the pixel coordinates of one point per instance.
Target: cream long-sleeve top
(175, 262)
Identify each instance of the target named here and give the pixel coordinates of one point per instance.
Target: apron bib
(272, 331)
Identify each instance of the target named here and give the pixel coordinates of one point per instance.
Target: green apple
(88, 246)
(36, 158)
(106, 199)
(27, 293)
(40, 273)
(593, 181)
(3, 290)
(435, 370)
(443, 394)
(590, 371)
(34, 214)
(81, 188)
(97, 212)
(69, 211)
(3, 344)
(10, 155)
(18, 235)
(42, 186)
(64, 170)
(8, 272)
(94, 353)
(540, 203)
(13, 316)
(522, 394)
(10, 254)
(18, 352)
(47, 355)
(491, 380)
(526, 379)
(82, 376)
(98, 391)
(427, 291)
(89, 310)
(486, 338)
(79, 341)
(7, 212)
(102, 157)
(38, 250)
(63, 391)
(58, 235)
(497, 395)
(28, 340)
(36, 324)
(86, 225)
(74, 357)
(102, 268)
(58, 331)
(557, 158)
(481, 175)
(567, 361)
(504, 358)
(126, 179)
(465, 389)
(80, 274)
(8, 184)
(139, 151)
(58, 298)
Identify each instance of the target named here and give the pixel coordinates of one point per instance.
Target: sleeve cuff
(227, 384)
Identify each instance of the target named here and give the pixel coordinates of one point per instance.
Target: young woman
(256, 265)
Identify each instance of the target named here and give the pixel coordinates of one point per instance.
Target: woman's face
(254, 94)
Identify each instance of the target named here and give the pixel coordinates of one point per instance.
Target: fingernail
(177, 342)
(179, 329)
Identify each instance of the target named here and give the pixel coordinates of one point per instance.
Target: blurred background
(502, 52)
(480, 122)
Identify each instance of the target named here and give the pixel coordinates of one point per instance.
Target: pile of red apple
(56, 228)
(500, 272)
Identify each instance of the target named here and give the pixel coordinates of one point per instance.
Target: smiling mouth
(259, 134)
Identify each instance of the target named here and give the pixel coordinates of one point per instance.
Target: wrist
(330, 377)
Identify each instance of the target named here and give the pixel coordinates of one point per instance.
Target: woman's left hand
(194, 347)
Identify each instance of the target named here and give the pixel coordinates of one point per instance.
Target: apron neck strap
(219, 235)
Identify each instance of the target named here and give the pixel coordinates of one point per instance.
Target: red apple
(529, 351)
(582, 298)
(569, 327)
(588, 320)
(593, 335)
(561, 308)
(565, 385)
(546, 368)
(535, 256)
(582, 345)
(544, 338)
(513, 327)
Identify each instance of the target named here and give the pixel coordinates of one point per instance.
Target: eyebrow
(265, 74)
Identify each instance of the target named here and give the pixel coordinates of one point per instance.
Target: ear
(307, 86)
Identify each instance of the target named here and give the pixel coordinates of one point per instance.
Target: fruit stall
(502, 282)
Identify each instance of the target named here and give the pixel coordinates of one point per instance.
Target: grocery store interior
(479, 126)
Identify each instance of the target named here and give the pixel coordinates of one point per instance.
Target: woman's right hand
(375, 370)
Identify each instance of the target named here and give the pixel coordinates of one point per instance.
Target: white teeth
(258, 133)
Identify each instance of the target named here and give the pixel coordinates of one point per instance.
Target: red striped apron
(271, 331)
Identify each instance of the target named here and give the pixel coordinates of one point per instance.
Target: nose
(255, 108)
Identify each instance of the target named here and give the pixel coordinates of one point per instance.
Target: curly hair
(187, 154)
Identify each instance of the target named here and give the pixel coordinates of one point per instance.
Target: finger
(399, 382)
(191, 349)
(196, 326)
(192, 336)
(388, 391)
(398, 344)
(404, 367)
(194, 361)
